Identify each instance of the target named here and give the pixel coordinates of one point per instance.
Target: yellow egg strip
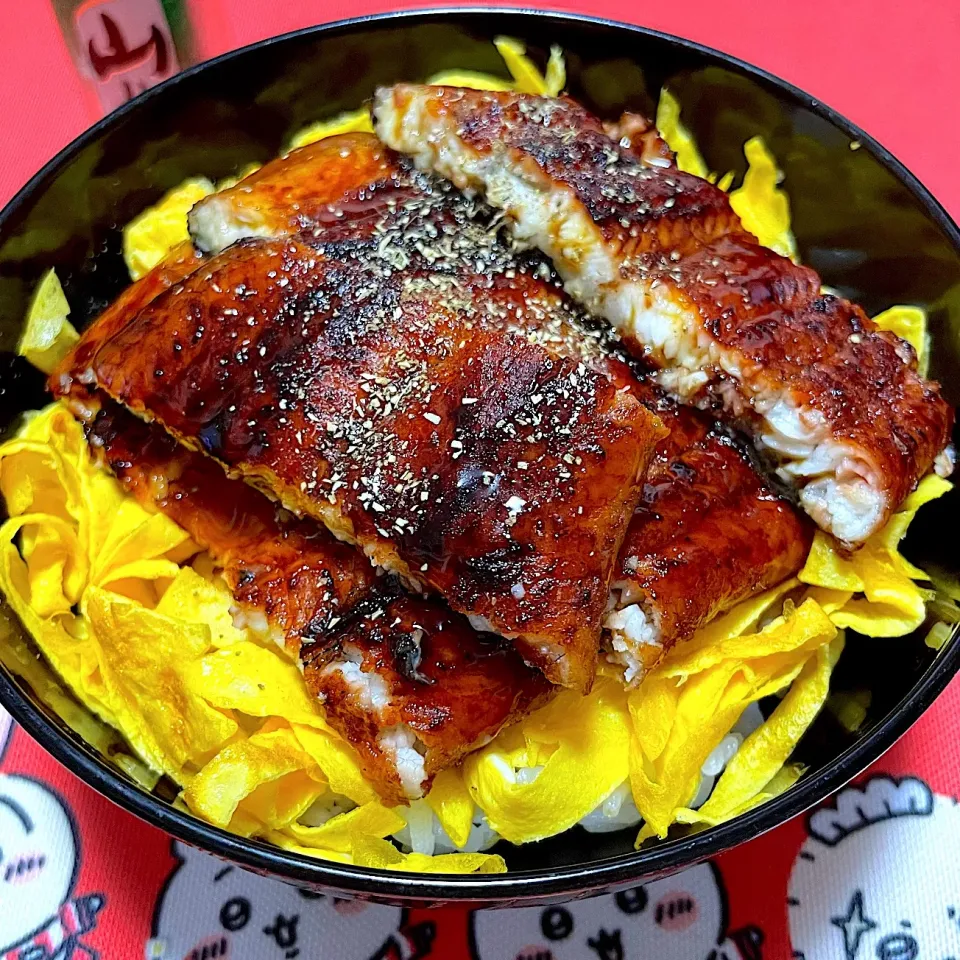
(353, 121)
(338, 761)
(383, 855)
(678, 138)
(241, 767)
(154, 233)
(874, 591)
(449, 798)
(257, 682)
(765, 752)
(763, 207)
(526, 77)
(591, 735)
(47, 334)
(372, 820)
(681, 714)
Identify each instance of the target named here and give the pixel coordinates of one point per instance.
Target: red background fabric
(890, 66)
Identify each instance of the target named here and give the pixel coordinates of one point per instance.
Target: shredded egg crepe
(48, 336)
(526, 78)
(147, 239)
(679, 139)
(136, 621)
(763, 207)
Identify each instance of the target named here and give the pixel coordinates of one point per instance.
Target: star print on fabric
(853, 925)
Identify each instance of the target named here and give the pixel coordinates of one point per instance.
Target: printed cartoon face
(212, 911)
(679, 918)
(38, 857)
(879, 878)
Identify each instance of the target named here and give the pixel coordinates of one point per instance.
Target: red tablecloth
(874, 874)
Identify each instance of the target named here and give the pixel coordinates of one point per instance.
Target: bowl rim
(521, 886)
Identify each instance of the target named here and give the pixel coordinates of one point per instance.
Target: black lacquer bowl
(862, 221)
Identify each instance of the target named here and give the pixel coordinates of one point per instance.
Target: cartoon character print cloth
(872, 874)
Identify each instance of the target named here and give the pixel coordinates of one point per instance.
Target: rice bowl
(612, 796)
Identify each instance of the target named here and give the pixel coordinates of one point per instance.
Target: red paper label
(125, 46)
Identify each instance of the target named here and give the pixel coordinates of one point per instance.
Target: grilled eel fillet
(707, 533)
(709, 530)
(413, 693)
(348, 373)
(730, 326)
(323, 182)
(403, 679)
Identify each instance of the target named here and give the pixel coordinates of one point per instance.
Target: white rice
(424, 834)
(724, 752)
(369, 688)
(400, 744)
(615, 813)
(628, 629)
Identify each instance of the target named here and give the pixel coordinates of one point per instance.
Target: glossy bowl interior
(860, 218)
